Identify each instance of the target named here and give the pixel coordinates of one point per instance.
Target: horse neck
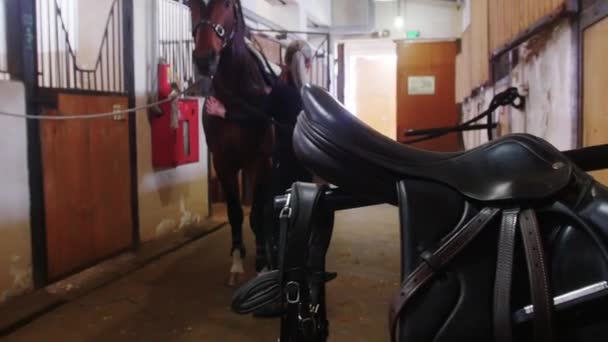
(238, 71)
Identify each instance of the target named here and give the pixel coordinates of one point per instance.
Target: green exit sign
(412, 34)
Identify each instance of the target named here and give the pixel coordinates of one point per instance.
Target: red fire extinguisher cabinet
(178, 143)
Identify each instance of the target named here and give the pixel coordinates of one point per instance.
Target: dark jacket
(282, 105)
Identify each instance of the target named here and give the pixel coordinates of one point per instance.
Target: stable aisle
(182, 296)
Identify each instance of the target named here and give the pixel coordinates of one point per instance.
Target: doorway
(370, 84)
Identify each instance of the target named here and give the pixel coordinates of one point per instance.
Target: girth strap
(504, 273)
(539, 279)
(433, 262)
(537, 273)
(439, 258)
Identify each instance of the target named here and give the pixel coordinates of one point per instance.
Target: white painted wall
(15, 250)
(351, 13)
(320, 11)
(293, 16)
(91, 23)
(549, 76)
(289, 17)
(169, 200)
(434, 19)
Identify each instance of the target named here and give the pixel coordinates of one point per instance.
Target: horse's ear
(197, 8)
(204, 4)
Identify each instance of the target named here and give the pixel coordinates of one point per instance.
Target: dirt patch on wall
(15, 261)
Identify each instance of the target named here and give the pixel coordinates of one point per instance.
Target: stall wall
(509, 18)
(547, 75)
(543, 68)
(289, 17)
(172, 199)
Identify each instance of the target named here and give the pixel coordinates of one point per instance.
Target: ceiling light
(399, 22)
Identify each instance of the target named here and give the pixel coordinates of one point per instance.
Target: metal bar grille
(175, 40)
(58, 65)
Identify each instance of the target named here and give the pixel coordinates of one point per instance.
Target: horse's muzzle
(207, 62)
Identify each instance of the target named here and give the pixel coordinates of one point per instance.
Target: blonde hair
(298, 57)
(297, 46)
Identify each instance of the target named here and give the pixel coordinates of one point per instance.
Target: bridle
(220, 30)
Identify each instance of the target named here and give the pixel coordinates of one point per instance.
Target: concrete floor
(182, 296)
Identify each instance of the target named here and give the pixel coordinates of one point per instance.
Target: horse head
(215, 24)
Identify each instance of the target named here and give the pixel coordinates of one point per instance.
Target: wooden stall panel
(460, 87)
(465, 75)
(595, 83)
(110, 182)
(509, 18)
(86, 184)
(65, 150)
(479, 43)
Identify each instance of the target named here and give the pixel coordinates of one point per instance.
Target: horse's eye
(227, 3)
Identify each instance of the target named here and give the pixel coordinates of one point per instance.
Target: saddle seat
(343, 150)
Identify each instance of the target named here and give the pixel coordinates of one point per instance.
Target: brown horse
(221, 53)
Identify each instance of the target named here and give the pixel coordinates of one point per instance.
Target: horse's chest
(230, 137)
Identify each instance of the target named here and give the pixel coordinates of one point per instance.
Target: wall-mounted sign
(421, 85)
(412, 34)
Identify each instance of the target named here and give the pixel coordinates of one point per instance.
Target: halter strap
(220, 30)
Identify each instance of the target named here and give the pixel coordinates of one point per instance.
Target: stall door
(426, 79)
(86, 184)
(595, 111)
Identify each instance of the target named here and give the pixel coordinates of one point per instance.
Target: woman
(283, 103)
(298, 58)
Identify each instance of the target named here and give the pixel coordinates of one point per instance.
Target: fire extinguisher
(167, 90)
(164, 85)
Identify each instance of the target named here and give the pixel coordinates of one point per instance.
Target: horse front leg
(230, 187)
(261, 180)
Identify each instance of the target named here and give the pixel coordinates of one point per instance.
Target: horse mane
(238, 72)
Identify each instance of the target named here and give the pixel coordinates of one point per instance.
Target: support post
(129, 82)
(23, 66)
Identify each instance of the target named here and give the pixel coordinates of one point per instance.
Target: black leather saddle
(501, 243)
(330, 140)
(506, 242)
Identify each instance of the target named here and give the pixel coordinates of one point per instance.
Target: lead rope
(173, 98)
